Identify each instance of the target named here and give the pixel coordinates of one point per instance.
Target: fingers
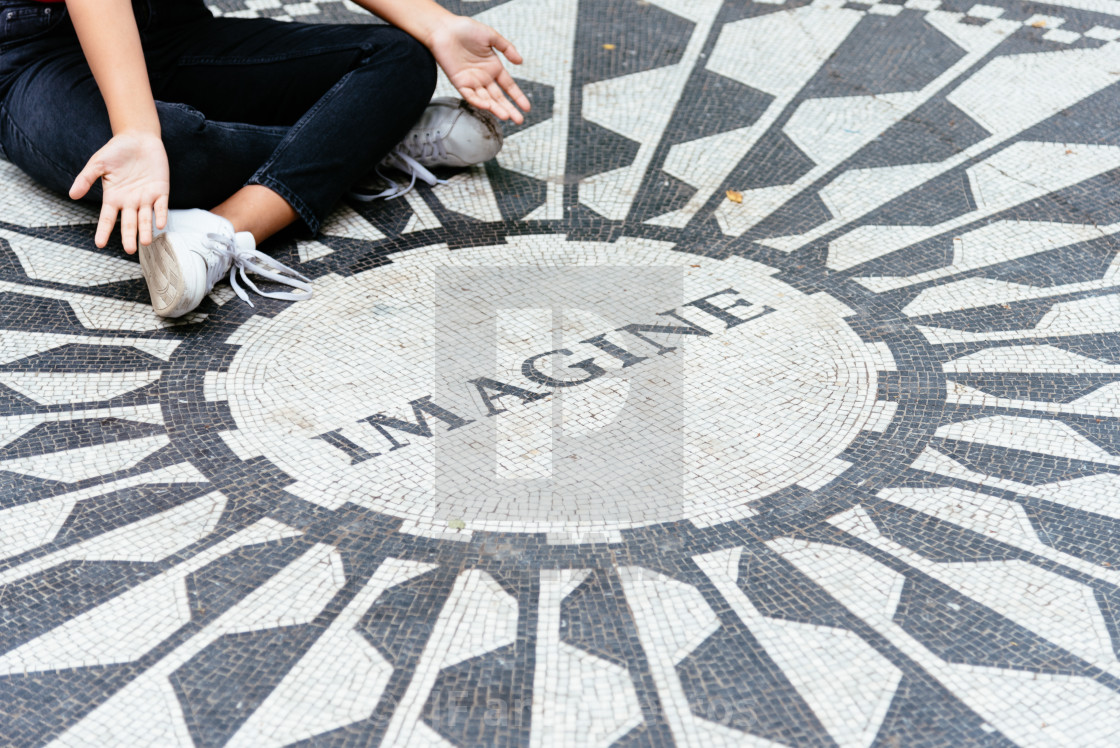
(128, 229)
(505, 80)
(489, 96)
(505, 110)
(161, 211)
(505, 46)
(142, 221)
(481, 98)
(471, 96)
(105, 224)
(133, 171)
(86, 177)
(144, 224)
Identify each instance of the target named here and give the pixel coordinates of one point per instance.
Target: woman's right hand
(468, 52)
(135, 182)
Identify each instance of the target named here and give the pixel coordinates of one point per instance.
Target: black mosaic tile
(802, 320)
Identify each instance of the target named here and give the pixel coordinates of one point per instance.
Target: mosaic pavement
(764, 391)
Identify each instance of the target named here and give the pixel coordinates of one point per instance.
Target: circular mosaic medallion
(618, 413)
(764, 390)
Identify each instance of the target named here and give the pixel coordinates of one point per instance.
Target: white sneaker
(451, 132)
(196, 250)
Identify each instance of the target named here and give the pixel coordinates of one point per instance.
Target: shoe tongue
(198, 221)
(244, 241)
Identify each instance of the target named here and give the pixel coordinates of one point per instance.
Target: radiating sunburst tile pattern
(764, 390)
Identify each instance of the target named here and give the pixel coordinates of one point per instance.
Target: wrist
(435, 27)
(132, 112)
(137, 126)
(138, 132)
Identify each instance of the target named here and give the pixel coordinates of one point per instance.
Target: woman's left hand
(468, 52)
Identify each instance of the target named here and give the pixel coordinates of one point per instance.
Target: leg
(209, 160)
(258, 210)
(349, 93)
(304, 111)
(359, 92)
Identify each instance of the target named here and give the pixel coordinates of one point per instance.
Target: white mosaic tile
(873, 478)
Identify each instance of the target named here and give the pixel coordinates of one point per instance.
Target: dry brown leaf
(1039, 24)
(735, 196)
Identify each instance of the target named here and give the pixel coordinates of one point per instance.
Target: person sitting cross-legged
(206, 136)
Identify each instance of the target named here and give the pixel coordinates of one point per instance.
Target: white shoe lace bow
(245, 261)
(405, 158)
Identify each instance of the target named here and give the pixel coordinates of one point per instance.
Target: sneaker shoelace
(404, 157)
(245, 261)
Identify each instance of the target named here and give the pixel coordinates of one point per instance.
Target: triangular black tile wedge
(37, 707)
(730, 680)
(644, 37)
(586, 623)
(223, 685)
(476, 702)
(924, 715)
(75, 587)
(221, 583)
(960, 630)
(394, 622)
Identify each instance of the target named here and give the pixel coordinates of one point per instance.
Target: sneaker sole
(160, 266)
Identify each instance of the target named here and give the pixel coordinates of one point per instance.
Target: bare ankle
(258, 210)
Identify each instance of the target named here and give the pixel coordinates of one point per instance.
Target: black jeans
(303, 109)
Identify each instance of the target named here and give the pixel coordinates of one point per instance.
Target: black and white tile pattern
(857, 487)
